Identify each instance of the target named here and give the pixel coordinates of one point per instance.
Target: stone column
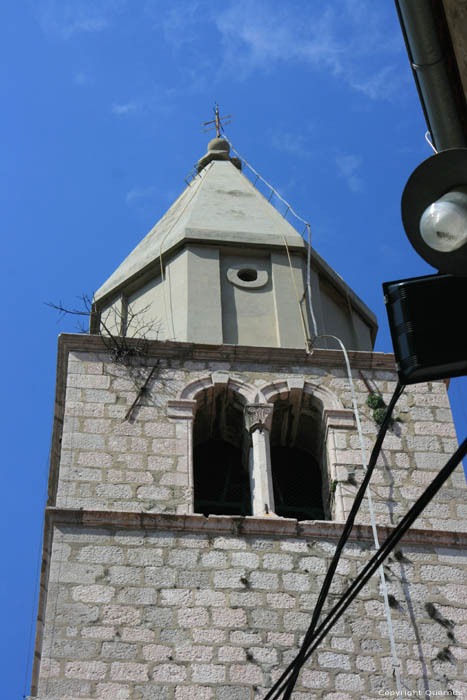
(336, 421)
(258, 420)
(183, 410)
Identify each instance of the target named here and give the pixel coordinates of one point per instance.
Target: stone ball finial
(218, 149)
(218, 145)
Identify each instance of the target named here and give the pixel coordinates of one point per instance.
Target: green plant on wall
(378, 406)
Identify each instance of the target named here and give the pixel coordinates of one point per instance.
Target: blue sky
(103, 102)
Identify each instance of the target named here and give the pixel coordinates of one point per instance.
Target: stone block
(83, 441)
(315, 679)
(119, 650)
(112, 691)
(229, 692)
(229, 578)
(157, 463)
(136, 595)
(77, 614)
(229, 654)
(280, 562)
(130, 634)
(281, 601)
(263, 580)
(150, 556)
(246, 674)
(157, 493)
(91, 381)
(98, 632)
(227, 617)
(160, 617)
(93, 593)
(160, 577)
(194, 692)
(207, 673)
(248, 560)
(296, 582)
(120, 615)
(328, 659)
(128, 671)
(193, 617)
(101, 554)
(193, 652)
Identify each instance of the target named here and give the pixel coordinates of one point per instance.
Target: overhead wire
(309, 343)
(429, 141)
(368, 570)
(342, 541)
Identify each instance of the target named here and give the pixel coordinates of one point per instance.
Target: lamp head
(434, 211)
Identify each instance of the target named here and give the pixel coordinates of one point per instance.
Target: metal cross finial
(218, 122)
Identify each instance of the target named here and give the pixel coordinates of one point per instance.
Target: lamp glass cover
(443, 226)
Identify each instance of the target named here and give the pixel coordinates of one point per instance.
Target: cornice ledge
(240, 353)
(249, 525)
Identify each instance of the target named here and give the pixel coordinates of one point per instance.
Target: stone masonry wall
(143, 464)
(144, 600)
(161, 614)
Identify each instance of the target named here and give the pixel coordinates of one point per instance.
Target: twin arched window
(229, 470)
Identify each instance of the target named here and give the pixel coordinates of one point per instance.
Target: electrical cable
(308, 280)
(294, 282)
(258, 177)
(369, 569)
(345, 534)
(429, 141)
(395, 658)
(308, 346)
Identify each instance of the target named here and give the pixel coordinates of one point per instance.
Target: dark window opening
(222, 485)
(220, 477)
(297, 453)
(297, 484)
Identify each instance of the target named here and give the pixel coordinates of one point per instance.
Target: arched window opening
(296, 458)
(220, 472)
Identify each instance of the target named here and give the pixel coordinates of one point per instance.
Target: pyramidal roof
(219, 206)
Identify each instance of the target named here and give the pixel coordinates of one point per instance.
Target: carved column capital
(258, 416)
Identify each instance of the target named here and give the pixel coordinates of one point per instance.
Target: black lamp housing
(428, 323)
(432, 179)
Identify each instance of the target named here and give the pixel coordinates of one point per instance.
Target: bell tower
(204, 460)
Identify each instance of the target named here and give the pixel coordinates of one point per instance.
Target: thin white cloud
(139, 194)
(64, 18)
(124, 108)
(180, 22)
(346, 39)
(348, 167)
(384, 84)
(158, 103)
(288, 142)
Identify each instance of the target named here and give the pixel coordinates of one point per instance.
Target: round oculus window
(247, 274)
(247, 277)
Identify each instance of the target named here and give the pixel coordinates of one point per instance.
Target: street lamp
(434, 210)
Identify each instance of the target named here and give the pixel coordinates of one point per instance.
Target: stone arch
(192, 390)
(298, 445)
(295, 387)
(219, 463)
